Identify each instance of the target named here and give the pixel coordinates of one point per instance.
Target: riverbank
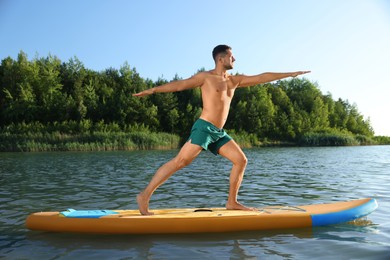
(96, 141)
(147, 140)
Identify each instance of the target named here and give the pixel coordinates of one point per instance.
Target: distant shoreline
(143, 140)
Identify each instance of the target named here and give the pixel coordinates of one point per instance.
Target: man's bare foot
(238, 206)
(143, 205)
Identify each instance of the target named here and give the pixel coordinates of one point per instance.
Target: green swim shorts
(208, 136)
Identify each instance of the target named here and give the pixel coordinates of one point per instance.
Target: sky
(346, 44)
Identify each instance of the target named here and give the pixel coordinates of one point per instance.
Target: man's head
(223, 54)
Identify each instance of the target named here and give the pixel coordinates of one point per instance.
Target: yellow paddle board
(192, 220)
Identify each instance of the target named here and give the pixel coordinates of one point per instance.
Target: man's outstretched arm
(174, 86)
(246, 81)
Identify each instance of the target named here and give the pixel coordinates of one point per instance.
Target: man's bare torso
(217, 94)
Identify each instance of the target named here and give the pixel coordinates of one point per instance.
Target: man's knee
(241, 161)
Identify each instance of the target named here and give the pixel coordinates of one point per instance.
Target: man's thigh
(189, 151)
(232, 151)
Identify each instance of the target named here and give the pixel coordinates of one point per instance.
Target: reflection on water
(274, 176)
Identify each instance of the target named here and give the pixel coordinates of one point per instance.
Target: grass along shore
(82, 136)
(23, 139)
(96, 141)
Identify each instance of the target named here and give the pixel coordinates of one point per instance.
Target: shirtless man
(207, 133)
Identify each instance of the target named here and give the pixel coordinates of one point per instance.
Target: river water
(33, 182)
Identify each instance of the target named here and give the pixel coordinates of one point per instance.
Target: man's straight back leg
(186, 155)
(233, 152)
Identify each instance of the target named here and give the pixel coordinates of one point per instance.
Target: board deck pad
(72, 213)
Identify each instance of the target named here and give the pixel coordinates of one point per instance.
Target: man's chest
(219, 87)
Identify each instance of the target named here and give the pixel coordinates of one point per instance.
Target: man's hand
(144, 93)
(294, 74)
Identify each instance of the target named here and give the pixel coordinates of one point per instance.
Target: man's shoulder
(203, 73)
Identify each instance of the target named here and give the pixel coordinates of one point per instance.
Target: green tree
(17, 97)
(74, 77)
(339, 118)
(168, 113)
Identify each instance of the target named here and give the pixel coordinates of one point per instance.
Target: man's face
(228, 60)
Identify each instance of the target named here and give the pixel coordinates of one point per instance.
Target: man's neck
(220, 72)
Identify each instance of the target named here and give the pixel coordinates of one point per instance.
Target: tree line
(50, 92)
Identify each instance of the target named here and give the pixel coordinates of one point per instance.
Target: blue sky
(344, 43)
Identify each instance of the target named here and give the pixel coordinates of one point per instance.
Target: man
(217, 87)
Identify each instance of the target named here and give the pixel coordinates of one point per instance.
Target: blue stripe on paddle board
(345, 215)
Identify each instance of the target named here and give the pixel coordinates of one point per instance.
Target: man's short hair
(220, 49)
